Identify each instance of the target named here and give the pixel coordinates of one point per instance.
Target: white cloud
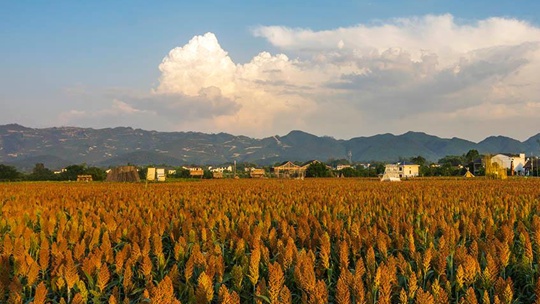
(436, 34)
(199, 64)
(427, 73)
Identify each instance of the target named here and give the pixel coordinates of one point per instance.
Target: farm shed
(288, 169)
(84, 178)
(257, 173)
(123, 174)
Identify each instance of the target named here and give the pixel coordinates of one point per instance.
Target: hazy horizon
(281, 135)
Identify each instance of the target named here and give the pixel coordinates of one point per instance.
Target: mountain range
(60, 146)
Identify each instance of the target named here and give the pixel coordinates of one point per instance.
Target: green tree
(419, 160)
(142, 173)
(472, 155)
(182, 173)
(208, 174)
(9, 173)
(317, 169)
(379, 168)
(349, 172)
(98, 174)
(41, 173)
(71, 172)
(452, 160)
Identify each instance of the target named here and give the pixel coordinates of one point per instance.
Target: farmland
(271, 241)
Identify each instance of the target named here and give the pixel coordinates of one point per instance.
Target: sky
(467, 69)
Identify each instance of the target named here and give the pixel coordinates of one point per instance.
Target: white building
(511, 161)
(391, 173)
(341, 167)
(394, 172)
(221, 169)
(408, 170)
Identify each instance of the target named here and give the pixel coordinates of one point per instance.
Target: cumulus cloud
(428, 73)
(199, 64)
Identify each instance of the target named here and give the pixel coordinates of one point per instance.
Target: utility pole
(537, 169)
(532, 164)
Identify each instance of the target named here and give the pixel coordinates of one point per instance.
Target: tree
(182, 173)
(379, 168)
(9, 173)
(71, 172)
(419, 160)
(349, 172)
(452, 160)
(472, 155)
(207, 174)
(317, 169)
(40, 173)
(335, 162)
(142, 173)
(98, 174)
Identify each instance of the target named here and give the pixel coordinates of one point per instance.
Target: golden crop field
(271, 241)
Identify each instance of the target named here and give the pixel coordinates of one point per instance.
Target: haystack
(123, 174)
(468, 174)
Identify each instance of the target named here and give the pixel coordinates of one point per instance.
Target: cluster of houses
(516, 164)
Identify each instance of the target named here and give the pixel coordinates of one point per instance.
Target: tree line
(41, 173)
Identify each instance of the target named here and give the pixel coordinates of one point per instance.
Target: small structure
(221, 169)
(341, 167)
(196, 173)
(84, 178)
(257, 173)
(468, 174)
(160, 173)
(391, 173)
(288, 169)
(154, 174)
(151, 174)
(123, 174)
(532, 167)
(217, 174)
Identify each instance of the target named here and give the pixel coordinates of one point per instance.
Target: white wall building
(508, 161)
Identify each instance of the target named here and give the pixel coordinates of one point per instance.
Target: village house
(195, 171)
(394, 172)
(257, 173)
(408, 170)
(532, 166)
(221, 169)
(514, 162)
(341, 167)
(84, 178)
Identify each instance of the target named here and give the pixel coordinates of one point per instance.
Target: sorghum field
(271, 241)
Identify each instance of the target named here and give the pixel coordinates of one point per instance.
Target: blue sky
(86, 58)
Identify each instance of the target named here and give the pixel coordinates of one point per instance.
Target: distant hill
(57, 147)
